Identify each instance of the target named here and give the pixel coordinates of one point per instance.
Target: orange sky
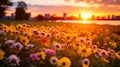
(71, 7)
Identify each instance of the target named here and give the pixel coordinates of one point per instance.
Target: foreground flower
(18, 46)
(64, 62)
(103, 53)
(9, 42)
(29, 46)
(104, 60)
(1, 54)
(83, 51)
(50, 52)
(111, 53)
(35, 32)
(53, 60)
(34, 56)
(41, 54)
(113, 44)
(14, 59)
(117, 54)
(85, 62)
(19, 26)
(24, 40)
(94, 48)
(2, 32)
(57, 46)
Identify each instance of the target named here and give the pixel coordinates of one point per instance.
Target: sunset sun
(85, 15)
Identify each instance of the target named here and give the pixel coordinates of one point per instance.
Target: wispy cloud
(105, 2)
(70, 9)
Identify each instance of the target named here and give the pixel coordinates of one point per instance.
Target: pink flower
(94, 47)
(86, 61)
(48, 35)
(53, 60)
(34, 56)
(35, 32)
(103, 53)
(111, 53)
(26, 25)
(50, 52)
(57, 46)
(82, 40)
(25, 34)
(77, 43)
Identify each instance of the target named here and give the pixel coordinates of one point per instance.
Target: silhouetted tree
(3, 6)
(20, 13)
(39, 17)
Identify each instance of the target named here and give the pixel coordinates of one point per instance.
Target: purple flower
(29, 46)
(50, 52)
(2, 32)
(14, 59)
(34, 56)
(10, 42)
(18, 46)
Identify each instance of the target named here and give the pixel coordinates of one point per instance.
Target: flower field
(67, 45)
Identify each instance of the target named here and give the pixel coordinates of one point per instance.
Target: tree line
(20, 13)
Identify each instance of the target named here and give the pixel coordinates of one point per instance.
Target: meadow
(52, 44)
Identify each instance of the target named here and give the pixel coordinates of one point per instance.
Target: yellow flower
(105, 44)
(113, 44)
(24, 40)
(41, 54)
(11, 30)
(84, 51)
(67, 37)
(1, 54)
(118, 55)
(94, 36)
(64, 62)
(106, 39)
(105, 60)
(3, 27)
(19, 26)
(18, 38)
(98, 43)
(84, 65)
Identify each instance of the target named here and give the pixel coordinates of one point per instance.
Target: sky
(71, 7)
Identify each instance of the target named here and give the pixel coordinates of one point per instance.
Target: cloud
(70, 9)
(104, 2)
(67, 0)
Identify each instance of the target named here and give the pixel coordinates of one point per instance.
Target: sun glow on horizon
(86, 15)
